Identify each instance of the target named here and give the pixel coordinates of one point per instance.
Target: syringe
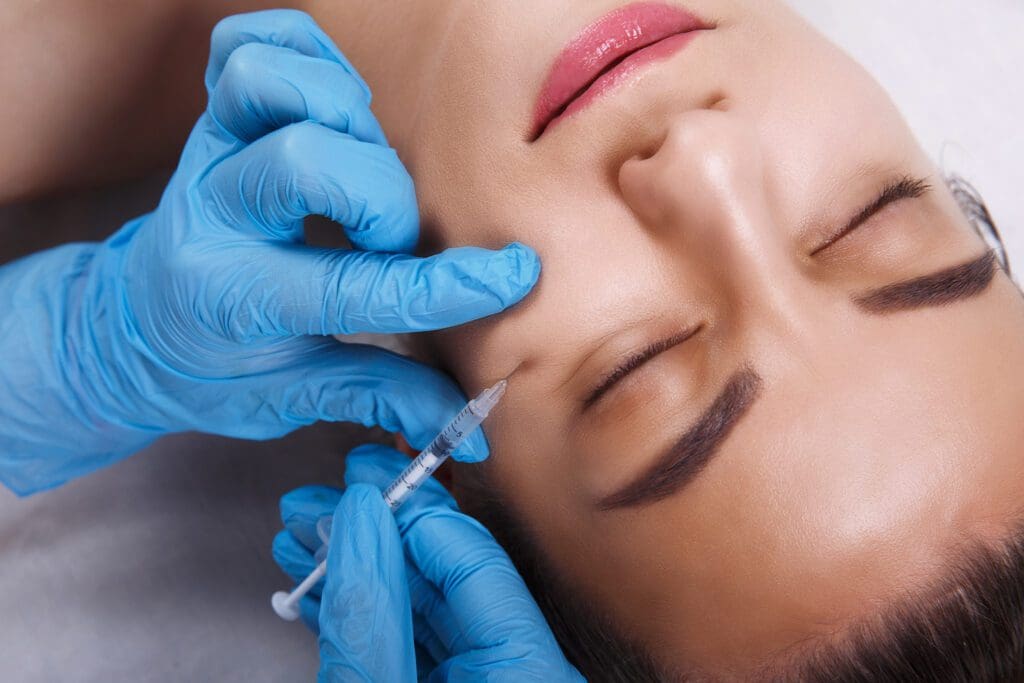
(286, 604)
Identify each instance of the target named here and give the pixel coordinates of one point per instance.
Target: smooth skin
(700, 194)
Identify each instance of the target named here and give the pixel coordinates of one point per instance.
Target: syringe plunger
(286, 604)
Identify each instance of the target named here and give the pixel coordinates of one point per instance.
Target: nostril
(639, 186)
(705, 169)
(636, 152)
(649, 151)
(717, 101)
(649, 148)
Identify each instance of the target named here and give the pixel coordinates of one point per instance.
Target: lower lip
(655, 52)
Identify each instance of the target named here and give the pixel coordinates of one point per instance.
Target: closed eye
(634, 363)
(904, 188)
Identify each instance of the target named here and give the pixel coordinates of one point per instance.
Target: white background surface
(956, 70)
(158, 569)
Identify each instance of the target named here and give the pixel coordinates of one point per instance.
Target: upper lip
(600, 47)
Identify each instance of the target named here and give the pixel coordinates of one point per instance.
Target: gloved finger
(294, 560)
(428, 644)
(302, 508)
(365, 618)
(373, 387)
(379, 465)
(282, 27)
(314, 379)
(309, 612)
(488, 600)
(438, 626)
(266, 87)
(300, 290)
(307, 169)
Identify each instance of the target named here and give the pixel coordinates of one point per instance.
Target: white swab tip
(284, 609)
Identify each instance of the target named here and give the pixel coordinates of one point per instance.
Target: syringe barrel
(452, 436)
(431, 457)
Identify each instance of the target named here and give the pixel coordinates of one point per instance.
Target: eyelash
(639, 359)
(906, 187)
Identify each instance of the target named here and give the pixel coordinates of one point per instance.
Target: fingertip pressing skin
(365, 594)
(507, 275)
(525, 269)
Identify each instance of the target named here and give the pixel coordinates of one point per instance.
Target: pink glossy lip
(604, 53)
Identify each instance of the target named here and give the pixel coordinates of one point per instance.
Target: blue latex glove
(201, 315)
(426, 575)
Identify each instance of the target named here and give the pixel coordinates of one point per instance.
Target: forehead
(860, 470)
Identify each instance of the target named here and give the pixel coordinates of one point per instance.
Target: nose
(705, 193)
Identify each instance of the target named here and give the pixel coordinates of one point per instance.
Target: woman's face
(826, 420)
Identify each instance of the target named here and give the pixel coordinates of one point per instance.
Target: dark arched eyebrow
(694, 450)
(938, 289)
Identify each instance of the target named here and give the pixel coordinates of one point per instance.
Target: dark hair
(978, 215)
(969, 628)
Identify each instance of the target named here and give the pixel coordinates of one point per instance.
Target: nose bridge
(705, 193)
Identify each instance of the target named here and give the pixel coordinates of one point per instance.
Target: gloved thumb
(365, 614)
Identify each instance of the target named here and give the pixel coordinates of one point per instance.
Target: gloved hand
(198, 316)
(426, 574)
